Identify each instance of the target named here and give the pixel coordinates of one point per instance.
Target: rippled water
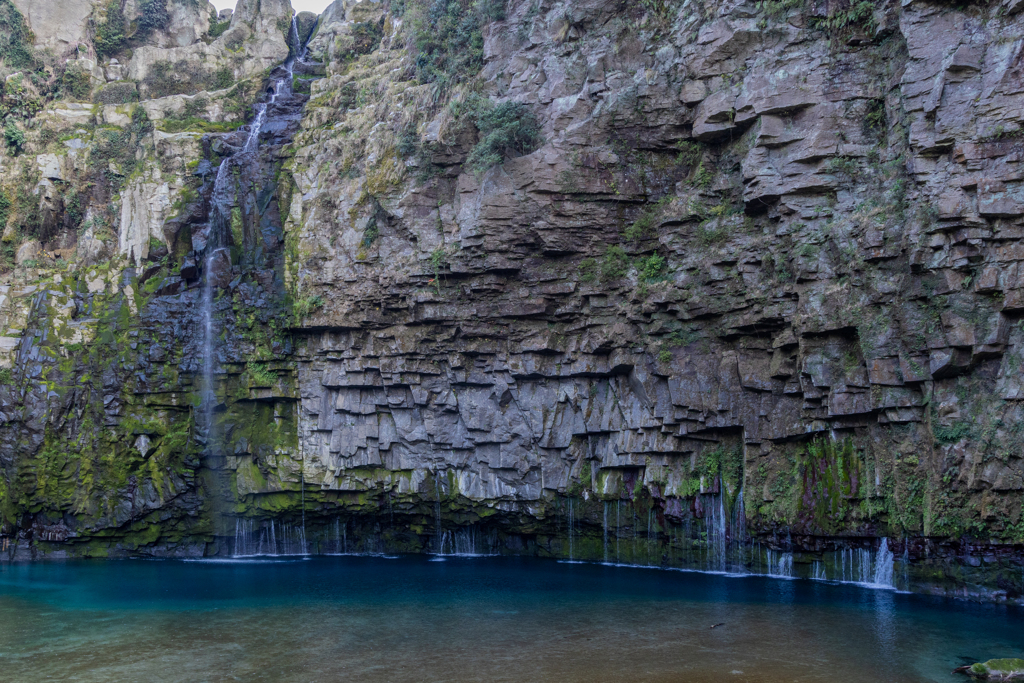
(472, 619)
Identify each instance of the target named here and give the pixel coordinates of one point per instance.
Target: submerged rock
(995, 670)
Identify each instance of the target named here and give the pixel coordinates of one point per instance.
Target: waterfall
(636, 526)
(740, 521)
(604, 532)
(460, 542)
(209, 394)
(883, 566)
(572, 529)
(302, 484)
(906, 565)
(652, 536)
(618, 506)
(819, 571)
(437, 515)
(856, 565)
(716, 526)
(210, 243)
(780, 564)
(739, 534)
(293, 34)
(263, 540)
(860, 565)
(254, 129)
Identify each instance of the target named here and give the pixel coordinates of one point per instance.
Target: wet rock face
(741, 231)
(754, 276)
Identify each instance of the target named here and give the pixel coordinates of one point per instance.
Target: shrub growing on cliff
(119, 146)
(121, 92)
(259, 375)
(645, 226)
(185, 77)
(153, 16)
(14, 138)
(446, 37)
(366, 36)
(5, 209)
(506, 130)
(307, 305)
(614, 263)
(859, 16)
(109, 34)
(776, 10)
(651, 269)
(75, 83)
(15, 44)
(217, 28)
(18, 100)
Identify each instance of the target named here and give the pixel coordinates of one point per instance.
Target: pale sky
(317, 6)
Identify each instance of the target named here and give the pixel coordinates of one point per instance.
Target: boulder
(29, 251)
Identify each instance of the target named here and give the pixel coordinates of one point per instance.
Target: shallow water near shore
(473, 619)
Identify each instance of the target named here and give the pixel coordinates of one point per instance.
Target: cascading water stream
(236, 173)
(604, 529)
(884, 562)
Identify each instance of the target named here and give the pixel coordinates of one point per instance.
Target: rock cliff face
(723, 285)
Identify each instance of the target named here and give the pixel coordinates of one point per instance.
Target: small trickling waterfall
(884, 565)
(780, 564)
(855, 564)
(337, 541)
(460, 542)
(271, 539)
(860, 565)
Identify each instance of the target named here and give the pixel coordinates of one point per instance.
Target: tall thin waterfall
(221, 192)
(232, 190)
(716, 526)
(618, 507)
(572, 530)
(302, 485)
(438, 530)
(213, 240)
(604, 529)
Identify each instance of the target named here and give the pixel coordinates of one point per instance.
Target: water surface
(473, 619)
